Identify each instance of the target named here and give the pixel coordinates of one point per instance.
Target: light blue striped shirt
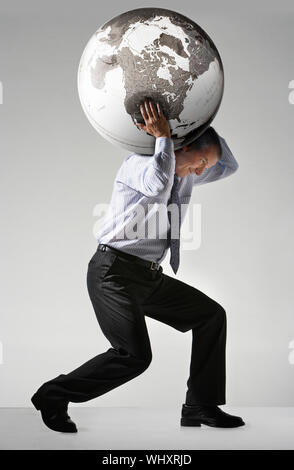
(140, 198)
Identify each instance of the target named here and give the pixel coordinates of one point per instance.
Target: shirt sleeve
(150, 174)
(224, 167)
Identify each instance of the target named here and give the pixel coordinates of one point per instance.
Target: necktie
(175, 242)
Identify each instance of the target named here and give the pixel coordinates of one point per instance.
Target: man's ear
(185, 148)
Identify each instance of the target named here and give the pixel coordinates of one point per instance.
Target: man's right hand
(155, 121)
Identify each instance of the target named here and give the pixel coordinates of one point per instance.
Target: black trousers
(122, 294)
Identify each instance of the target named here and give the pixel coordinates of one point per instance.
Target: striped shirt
(140, 198)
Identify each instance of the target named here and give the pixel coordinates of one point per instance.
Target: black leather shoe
(211, 415)
(55, 416)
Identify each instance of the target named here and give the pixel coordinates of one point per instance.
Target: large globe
(150, 53)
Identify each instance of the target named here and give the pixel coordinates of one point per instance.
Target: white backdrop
(55, 168)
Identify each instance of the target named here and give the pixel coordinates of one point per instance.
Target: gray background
(55, 168)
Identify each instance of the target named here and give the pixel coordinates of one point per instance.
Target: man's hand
(155, 121)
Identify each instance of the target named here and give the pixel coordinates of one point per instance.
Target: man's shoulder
(132, 166)
(135, 160)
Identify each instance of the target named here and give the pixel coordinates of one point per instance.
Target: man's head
(202, 153)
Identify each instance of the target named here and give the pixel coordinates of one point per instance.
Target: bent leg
(186, 308)
(123, 323)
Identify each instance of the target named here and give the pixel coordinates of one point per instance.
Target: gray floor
(146, 428)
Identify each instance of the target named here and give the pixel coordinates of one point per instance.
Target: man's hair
(207, 138)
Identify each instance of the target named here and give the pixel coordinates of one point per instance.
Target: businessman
(126, 281)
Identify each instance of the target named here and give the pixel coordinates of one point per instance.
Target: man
(126, 281)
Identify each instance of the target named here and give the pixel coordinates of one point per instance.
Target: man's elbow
(228, 170)
(232, 167)
(235, 167)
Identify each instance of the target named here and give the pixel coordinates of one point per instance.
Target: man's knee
(220, 314)
(139, 362)
(144, 362)
(216, 314)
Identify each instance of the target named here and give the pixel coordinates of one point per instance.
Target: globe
(150, 53)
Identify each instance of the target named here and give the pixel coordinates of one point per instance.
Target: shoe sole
(190, 422)
(197, 422)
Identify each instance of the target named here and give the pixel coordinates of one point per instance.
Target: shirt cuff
(164, 144)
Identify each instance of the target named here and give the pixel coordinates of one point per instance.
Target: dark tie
(175, 242)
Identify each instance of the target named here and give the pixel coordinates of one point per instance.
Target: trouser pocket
(101, 263)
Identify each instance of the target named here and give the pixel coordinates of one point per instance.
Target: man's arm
(160, 168)
(224, 167)
(150, 175)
